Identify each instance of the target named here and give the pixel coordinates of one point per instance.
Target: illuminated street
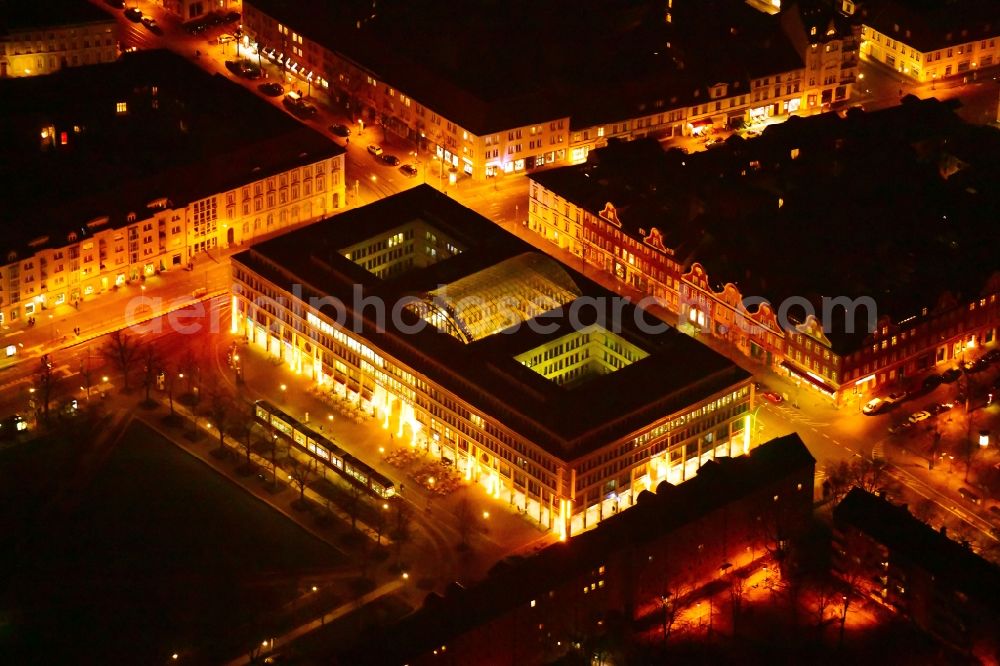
(382, 333)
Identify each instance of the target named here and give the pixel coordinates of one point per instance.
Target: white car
(917, 417)
(874, 406)
(225, 39)
(375, 149)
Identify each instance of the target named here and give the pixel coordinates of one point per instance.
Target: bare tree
(380, 521)
(87, 374)
(671, 604)
(150, 357)
(220, 410)
(737, 590)
(122, 351)
(45, 384)
(355, 502)
(190, 367)
(243, 429)
(401, 530)
(464, 518)
(169, 380)
(302, 474)
(276, 444)
(825, 594)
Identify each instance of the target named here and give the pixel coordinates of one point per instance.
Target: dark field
(126, 553)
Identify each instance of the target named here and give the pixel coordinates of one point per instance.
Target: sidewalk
(203, 451)
(939, 486)
(275, 644)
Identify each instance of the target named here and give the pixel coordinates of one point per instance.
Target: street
(832, 435)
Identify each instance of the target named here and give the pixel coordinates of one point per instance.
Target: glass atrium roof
(488, 301)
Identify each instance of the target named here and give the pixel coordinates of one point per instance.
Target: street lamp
(440, 163)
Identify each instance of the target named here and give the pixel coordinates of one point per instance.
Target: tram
(323, 450)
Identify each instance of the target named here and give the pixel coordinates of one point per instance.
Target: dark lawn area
(154, 554)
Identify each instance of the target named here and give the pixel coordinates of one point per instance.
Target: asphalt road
(832, 435)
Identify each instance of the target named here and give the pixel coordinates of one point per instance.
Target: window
(121, 107)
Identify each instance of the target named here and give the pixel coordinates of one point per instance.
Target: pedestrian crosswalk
(797, 415)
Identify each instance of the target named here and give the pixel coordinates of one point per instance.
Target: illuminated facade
(828, 45)
(487, 149)
(534, 611)
(939, 584)
(75, 244)
(933, 42)
(959, 58)
(523, 116)
(464, 371)
(38, 38)
(722, 105)
(630, 211)
(192, 9)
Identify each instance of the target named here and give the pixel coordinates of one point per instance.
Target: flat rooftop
(463, 346)
(895, 204)
(532, 65)
(106, 140)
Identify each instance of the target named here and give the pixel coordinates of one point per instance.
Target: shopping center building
(558, 396)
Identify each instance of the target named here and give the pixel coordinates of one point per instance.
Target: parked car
(922, 415)
(950, 375)
(389, 160)
(298, 106)
(151, 25)
(409, 170)
(898, 396)
(937, 408)
(992, 356)
(11, 425)
(979, 365)
(117, 4)
(195, 27)
(874, 406)
(902, 426)
(244, 69)
(271, 88)
(970, 496)
(224, 39)
(340, 130)
(931, 382)
(231, 17)
(133, 14)
(771, 396)
(374, 149)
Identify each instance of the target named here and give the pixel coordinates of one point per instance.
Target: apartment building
(698, 232)
(919, 572)
(568, 421)
(555, 605)
(41, 38)
(157, 163)
(645, 73)
(466, 131)
(927, 41)
(827, 42)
